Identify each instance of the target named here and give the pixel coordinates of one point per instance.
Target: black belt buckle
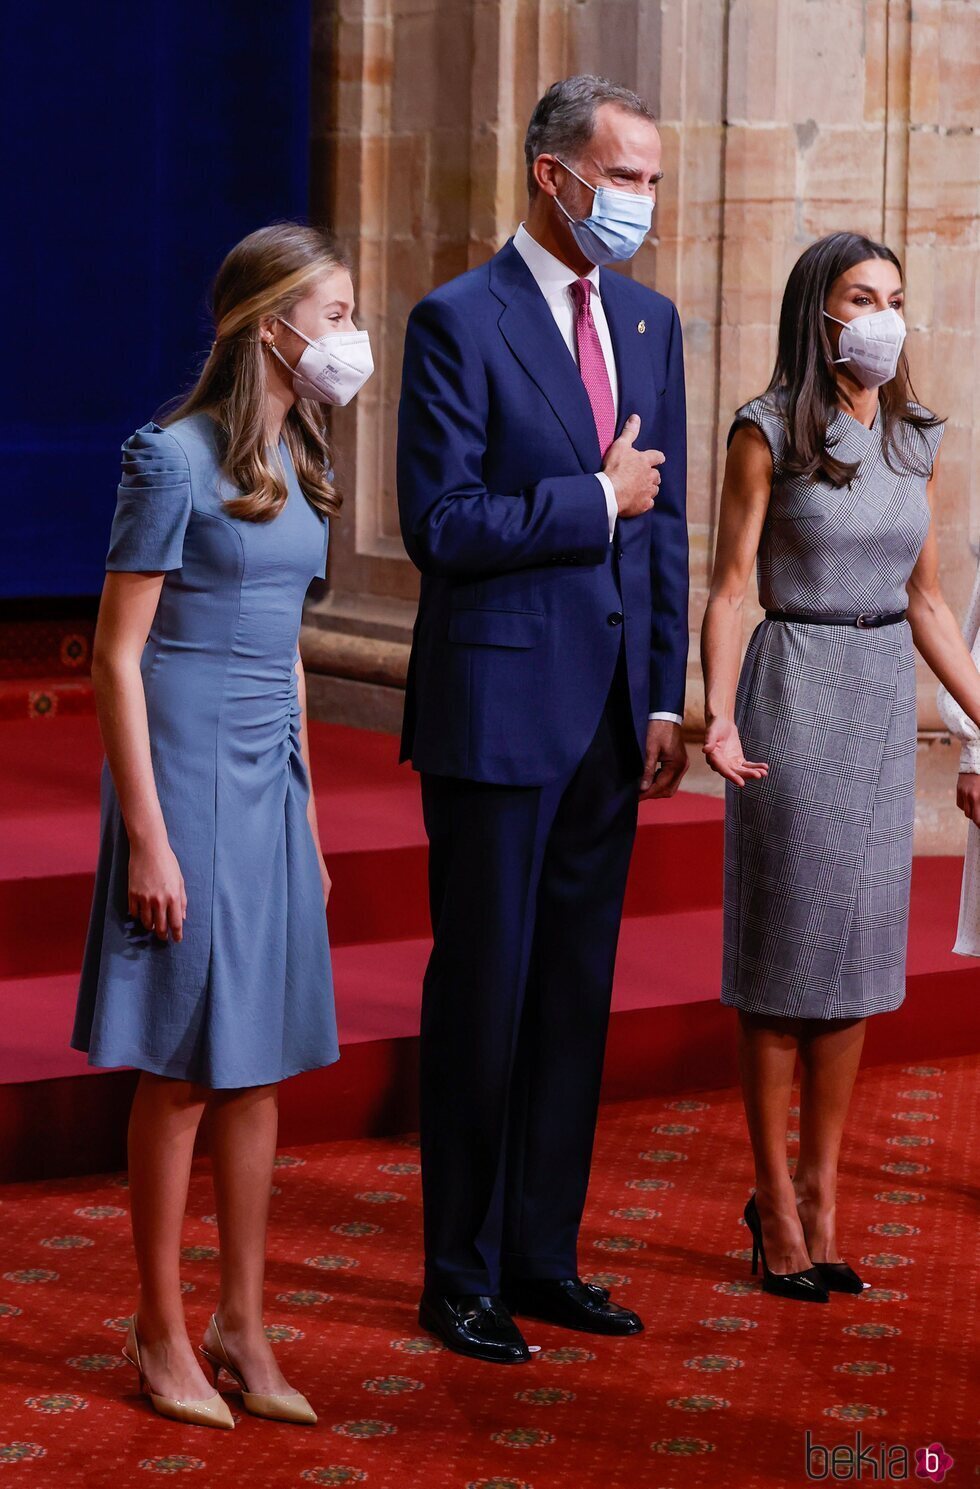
(863, 621)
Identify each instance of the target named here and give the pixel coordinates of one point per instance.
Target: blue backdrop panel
(141, 141)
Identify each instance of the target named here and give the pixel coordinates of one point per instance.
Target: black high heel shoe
(807, 1286)
(838, 1277)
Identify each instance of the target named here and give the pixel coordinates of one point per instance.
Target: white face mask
(333, 368)
(871, 345)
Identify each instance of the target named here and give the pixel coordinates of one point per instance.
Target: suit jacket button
(616, 619)
(619, 552)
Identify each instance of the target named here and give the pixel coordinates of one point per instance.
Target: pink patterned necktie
(592, 364)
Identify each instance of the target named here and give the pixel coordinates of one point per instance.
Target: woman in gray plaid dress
(828, 489)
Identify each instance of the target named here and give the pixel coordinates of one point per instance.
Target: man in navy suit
(541, 490)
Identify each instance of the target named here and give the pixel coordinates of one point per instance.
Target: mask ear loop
(838, 361)
(575, 174)
(271, 345)
(295, 329)
(594, 190)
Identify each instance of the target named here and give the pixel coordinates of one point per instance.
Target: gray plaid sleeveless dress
(818, 856)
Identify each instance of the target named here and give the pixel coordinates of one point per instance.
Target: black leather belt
(863, 622)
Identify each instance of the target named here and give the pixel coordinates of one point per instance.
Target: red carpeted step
(370, 819)
(664, 961)
(668, 1030)
(668, 1026)
(378, 991)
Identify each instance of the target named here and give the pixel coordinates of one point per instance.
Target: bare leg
(767, 1048)
(162, 1127)
(243, 1128)
(830, 1053)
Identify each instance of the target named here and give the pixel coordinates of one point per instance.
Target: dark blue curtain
(141, 141)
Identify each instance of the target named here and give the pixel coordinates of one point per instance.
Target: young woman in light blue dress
(207, 964)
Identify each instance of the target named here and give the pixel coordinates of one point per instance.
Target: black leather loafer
(572, 1304)
(476, 1325)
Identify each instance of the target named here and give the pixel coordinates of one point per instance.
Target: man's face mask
(616, 226)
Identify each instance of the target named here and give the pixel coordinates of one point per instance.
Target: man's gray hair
(564, 119)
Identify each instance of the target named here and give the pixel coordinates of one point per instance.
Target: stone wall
(782, 120)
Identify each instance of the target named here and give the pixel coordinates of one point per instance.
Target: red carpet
(718, 1392)
(668, 1033)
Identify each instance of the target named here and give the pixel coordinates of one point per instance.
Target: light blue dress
(246, 998)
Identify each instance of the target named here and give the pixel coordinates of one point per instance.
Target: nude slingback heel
(291, 1407)
(211, 1412)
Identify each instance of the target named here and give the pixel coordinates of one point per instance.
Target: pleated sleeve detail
(153, 504)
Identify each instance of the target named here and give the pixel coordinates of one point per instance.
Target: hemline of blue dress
(246, 997)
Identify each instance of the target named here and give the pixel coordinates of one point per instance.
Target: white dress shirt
(555, 279)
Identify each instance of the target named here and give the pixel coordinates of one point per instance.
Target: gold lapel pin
(641, 326)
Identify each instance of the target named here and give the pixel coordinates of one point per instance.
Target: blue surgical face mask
(616, 226)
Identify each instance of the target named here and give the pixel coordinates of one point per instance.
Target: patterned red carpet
(720, 1391)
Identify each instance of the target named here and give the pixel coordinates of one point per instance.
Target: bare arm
(744, 503)
(304, 744)
(156, 886)
(935, 630)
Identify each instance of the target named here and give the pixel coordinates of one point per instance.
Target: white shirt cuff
(674, 718)
(612, 505)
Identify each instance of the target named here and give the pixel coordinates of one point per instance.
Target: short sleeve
(765, 416)
(153, 504)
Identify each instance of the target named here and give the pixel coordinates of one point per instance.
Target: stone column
(421, 112)
(782, 120)
(863, 116)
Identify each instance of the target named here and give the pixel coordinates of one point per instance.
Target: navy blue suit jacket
(524, 601)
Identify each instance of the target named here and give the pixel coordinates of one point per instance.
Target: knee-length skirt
(818, 856)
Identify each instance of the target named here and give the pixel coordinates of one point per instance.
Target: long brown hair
(265, 274)
(804, 381)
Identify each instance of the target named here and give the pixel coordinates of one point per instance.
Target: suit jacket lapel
(633, 370)
(528, 326)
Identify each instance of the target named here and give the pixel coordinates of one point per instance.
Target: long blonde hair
(265, 274)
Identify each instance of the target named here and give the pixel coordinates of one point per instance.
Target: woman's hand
(723, 752)
(325, 878)
(968, 796)
(156, 889)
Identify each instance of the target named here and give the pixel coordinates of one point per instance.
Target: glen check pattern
(818, 856)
